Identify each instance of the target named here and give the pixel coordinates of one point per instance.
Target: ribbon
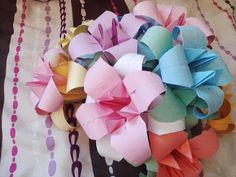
(179, 157)
(170, 16)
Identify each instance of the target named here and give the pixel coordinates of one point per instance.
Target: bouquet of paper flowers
(147, 87)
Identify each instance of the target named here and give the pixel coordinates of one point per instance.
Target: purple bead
(50, 143)
(48, 30)
(51, 155)
(48, 122)
(48, 18)
(49, 132)
(47, 42)
(52, 167)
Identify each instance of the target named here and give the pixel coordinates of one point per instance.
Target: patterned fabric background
(30, 145)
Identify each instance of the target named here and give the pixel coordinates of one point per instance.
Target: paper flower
(193, 66)
(57, 80)
(107, 34)
(115, 114)
(170, 16)
(178, 156)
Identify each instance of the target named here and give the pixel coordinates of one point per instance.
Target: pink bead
(14, 90)
(18, 48)
(14, 151)
(20, 40)
(13, 167)
(16, 69)
(17, 58)
(13, 132)
(48, 18)
(13, 118)
(15, 104)
(15, 79)
(23, 16)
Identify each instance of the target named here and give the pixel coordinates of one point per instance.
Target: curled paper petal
(131, 28)
(129, 63)
(162, 128)
(148, 9)
(76, 76)
(192, 37)
(198, 23)
(137, 83)
(97, 87)
(72, 32)
(83, 44)
(172, 15)
(51, 99)
(224, 123)
(133, 135)
(59, 120)
(205, 150)
(222, 74)
(92, 118)
(170, 108)
(158, 39)
(174, 68)
(54, 56)
(213, 96)
(105, 20)
(129, 46)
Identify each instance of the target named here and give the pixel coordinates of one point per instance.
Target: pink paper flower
(114, 116)
(170, 16)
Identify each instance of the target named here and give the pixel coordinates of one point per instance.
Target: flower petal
(131, 141)
(92, 118)
(205, 145)
(83, 44)
(142, 83)
(100, 80)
